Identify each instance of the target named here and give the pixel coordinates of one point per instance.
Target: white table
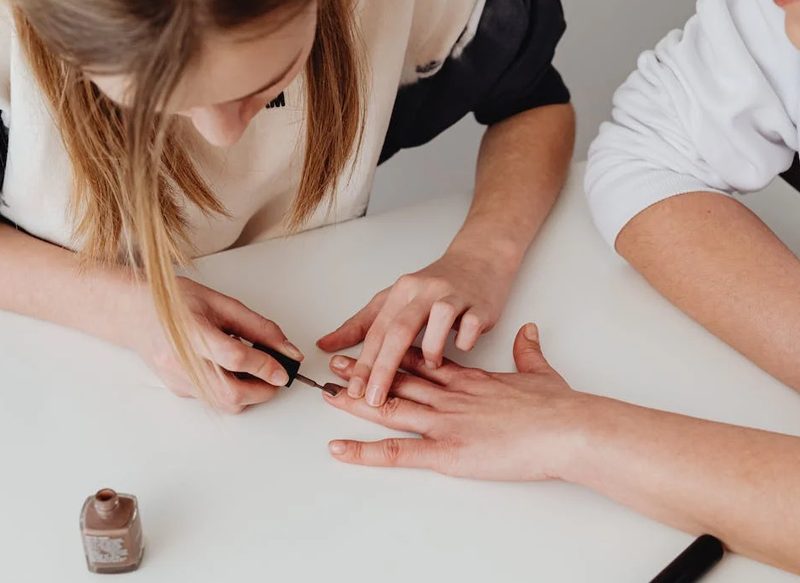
(257, 498)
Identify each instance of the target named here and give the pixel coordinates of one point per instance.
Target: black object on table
(694, 562)
(292, 367)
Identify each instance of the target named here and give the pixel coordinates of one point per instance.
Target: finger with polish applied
(396, 413)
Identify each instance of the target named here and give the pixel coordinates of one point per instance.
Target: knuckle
(378, 299)
(235, 357)
(270, 326)
(359, 324)
(355, 451)
(389, 409)
(406, 281)
(237, 305)
(391, 451)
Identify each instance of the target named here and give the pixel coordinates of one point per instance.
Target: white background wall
(599, 51)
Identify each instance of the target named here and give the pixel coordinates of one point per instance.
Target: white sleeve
(712, 108)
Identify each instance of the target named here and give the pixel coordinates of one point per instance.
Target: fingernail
(430, 364)
(531, 332)
(293, 351)
(339, 362)
(356, 388)
(279, 378)
(374, 397)
(337, 447)
(332, 390)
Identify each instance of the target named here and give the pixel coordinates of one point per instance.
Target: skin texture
(532, 426)
(719, 263)
(522, 166)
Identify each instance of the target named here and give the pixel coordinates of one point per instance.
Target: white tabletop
(257, 498)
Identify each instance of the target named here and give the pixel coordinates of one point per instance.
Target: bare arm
(45, 281)
(741, 485)
(718, 262)
(522, 167)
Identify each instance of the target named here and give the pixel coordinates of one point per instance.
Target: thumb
(528, 352)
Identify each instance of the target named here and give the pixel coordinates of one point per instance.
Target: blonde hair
(131, 166)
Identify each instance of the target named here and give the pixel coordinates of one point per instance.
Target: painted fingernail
(531, 332)
(374, 396)
(339, 362)
(279, 378)
(337, 447)
(356, 388)
(293, 351)
(332, 390)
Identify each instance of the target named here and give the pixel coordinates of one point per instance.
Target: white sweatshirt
(713, 108)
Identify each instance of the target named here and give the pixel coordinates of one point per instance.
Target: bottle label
(104, 549)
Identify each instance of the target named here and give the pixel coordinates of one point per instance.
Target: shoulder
(438, 28)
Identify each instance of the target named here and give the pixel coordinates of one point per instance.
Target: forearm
(741, 485)
(719, 263)
(522, 166)
(44, 281)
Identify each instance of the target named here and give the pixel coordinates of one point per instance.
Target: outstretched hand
(472, 423)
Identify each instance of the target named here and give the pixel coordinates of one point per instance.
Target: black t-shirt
(505, 69)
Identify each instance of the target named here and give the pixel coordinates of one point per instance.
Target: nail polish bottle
(112, 532)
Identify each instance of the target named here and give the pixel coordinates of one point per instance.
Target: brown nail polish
(112, 532)
(333, 389)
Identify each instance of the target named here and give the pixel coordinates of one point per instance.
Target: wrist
(491, 245)
(128, 309)
(581, 436)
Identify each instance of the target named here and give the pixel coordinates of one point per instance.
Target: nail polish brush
(292, 368)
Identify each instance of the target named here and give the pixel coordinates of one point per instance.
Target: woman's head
(792, 10)
(122, 76)
(233, 57)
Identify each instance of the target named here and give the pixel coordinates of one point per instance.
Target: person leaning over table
(712, 110)
(140, 134)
